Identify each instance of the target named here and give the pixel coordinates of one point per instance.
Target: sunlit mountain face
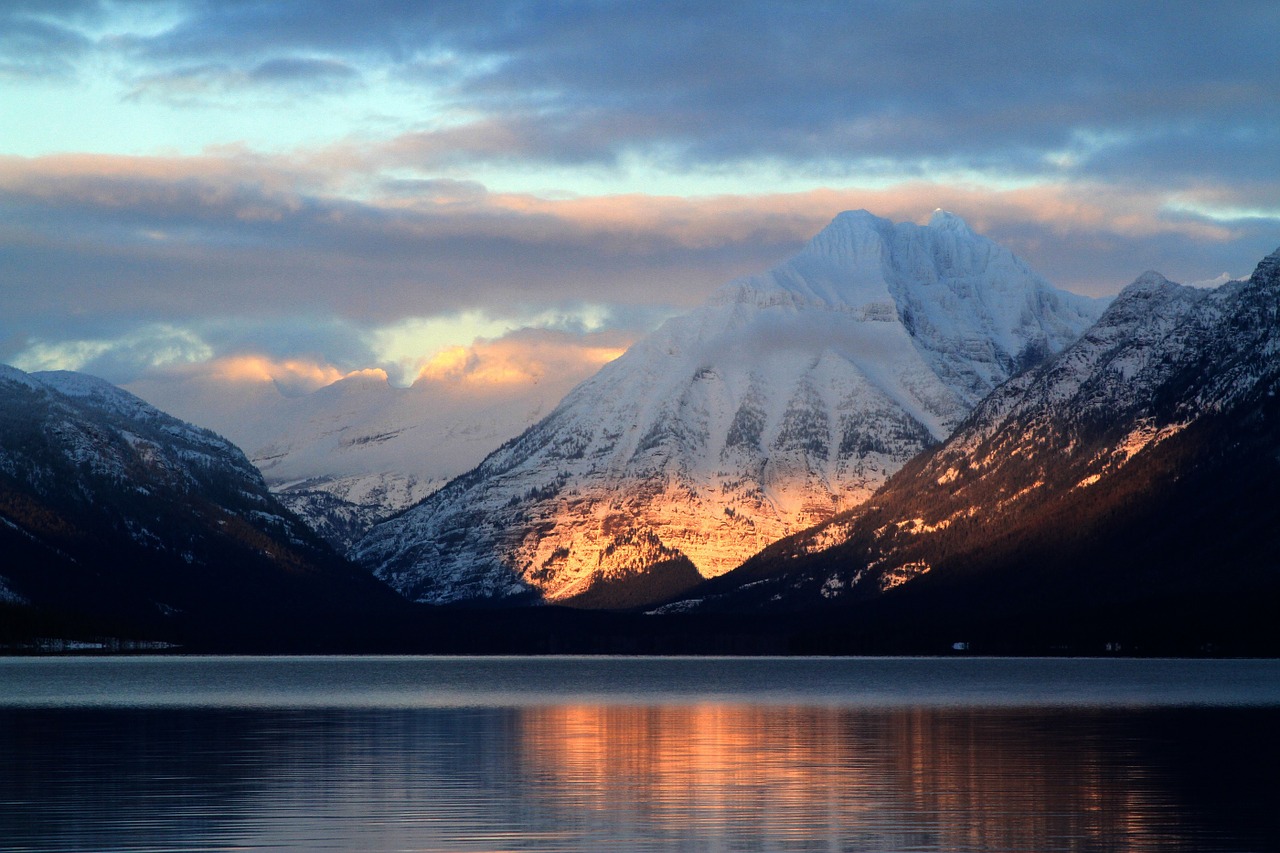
(788, 397)
(1132, 477)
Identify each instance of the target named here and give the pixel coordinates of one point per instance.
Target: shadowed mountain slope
(114, 513)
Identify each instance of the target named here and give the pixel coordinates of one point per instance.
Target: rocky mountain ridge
(788, 397)
(112, 509)
(1142, 462)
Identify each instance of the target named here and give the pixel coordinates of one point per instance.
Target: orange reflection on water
(720, 756)
(934, 778)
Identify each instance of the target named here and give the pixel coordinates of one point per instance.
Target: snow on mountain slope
(1141, 461)
(359, 450)
(178, 449)
(378, 449)
(789, 396)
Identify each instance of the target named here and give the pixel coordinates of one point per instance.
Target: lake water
(638, 754)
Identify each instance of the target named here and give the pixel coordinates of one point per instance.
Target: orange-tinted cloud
(292, 373)
(524, 357)
(232, 234)
(221, 177)
(695, 220)
(486, 366)
(223, 166)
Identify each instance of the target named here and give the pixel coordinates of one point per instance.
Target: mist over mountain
(354, 452)
(788, 397)
(1134, 477)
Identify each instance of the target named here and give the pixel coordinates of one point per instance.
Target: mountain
(112, 511)
(1136, 476)
(786, 398)
(359, 450)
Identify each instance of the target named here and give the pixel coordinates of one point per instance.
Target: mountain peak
(945, 220)
(1163, 410)
(1149, 280)
(853, 234)
(860, 259)
(857, 218)
(1148, 296)
(75, 384)
(8, 373)
(124, 515)
(99, 393)
(790, 395)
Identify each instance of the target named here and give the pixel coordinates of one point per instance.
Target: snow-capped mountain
(1140, 465)
(352, 453)
(110, 508)
(786, 398)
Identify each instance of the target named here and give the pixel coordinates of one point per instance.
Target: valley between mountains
(899, 437)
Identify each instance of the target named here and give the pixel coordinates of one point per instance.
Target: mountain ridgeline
(1131, 484)
(116, 515)
(897, 439)
(787, 398)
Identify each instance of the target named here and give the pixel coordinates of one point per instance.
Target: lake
(173, 753)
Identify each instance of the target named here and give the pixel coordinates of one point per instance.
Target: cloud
(269, 255)
(406, 346)
(149, 347)
(854, 89)
(236, 394)
(475, 346)
(291, 377)
(221, 84)
(233, 392)
(524, 357)
(302, 69)
(391, 28)
(1090, 90)
(32, 48)
(215, 235)
(301, 353)
(92, 241)
(485, 193)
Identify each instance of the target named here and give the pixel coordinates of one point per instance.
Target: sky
(294, 191)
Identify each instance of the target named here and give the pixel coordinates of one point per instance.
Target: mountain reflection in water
(582, 777)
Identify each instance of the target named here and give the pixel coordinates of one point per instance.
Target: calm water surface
(591, 754)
